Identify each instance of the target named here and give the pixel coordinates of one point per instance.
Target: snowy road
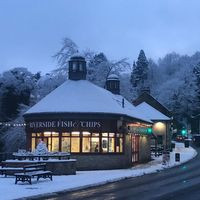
(181, 182)
(84, 179)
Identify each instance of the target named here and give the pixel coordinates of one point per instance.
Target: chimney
(145, 90)
(77, 68)
(113, 84)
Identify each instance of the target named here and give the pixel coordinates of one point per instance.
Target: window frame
(116, 136)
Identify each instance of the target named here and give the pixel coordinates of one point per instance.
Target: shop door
(135, 148)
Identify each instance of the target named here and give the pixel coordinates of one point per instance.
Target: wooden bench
(10, 168)
(31, 171)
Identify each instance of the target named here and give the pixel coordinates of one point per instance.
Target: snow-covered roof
(77, 54)
(84, 97)
(113, 77)
(150, 112)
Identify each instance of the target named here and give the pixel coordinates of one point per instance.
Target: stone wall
(61, 167)
(114, 161)
(105, 161)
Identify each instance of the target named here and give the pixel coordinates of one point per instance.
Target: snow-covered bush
(41, 148)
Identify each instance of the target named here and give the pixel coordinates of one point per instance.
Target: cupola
(77, 68)
(113, 84)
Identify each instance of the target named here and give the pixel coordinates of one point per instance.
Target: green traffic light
(183, 132)
(149, 130)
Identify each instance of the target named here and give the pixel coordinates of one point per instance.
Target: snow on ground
(8, 190)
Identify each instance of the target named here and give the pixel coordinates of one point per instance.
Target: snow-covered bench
(31, 171)
(10, 168)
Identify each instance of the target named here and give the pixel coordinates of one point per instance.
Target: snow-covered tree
(41, 148)
(16, 87)
(99, 68)
(139, 74)
(14, 137)
(68, 49)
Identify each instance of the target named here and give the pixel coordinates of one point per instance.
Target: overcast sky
(31, 31)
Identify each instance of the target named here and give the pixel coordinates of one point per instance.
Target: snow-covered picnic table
(44, 157)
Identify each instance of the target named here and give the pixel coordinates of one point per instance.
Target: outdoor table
(44, 157)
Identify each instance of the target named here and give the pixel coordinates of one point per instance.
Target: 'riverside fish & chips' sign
(64, 124)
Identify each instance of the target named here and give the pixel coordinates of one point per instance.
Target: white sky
(31, 30)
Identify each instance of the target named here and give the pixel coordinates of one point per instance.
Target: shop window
(86, 134)
(104, 145)
(95, 144)
(75, 144)
(65, 134)
(111, 134)
(51, 139)
(66, 144)
(47, 134)
(75, 133)
(111, 144)
(38, 141)
(55, 134)
(86, 144)
(86, 141)
(104, 134)
(33, 143)
(95, 134)
(49, 144)
(119, 143)
(55, 144)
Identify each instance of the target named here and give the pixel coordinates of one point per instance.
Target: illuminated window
(46, 134)
(104, 145)
(51, 139)
(95, 144)
(55, 134)
(111, 145)
(86, 134)
(33, 143)
(86, 144)
(75, 144)
(80, 142)
(49, 144)
(119, 143)
(65, 134)
(104, 134)
(66, 144)
(55, 144)
(75, 133)
(95, 134)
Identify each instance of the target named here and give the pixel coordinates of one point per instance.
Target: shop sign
(65, 124)
(140, 130)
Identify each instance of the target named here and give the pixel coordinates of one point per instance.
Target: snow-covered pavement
(8, 190)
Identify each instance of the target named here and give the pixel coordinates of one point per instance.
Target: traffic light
(149, 131)
(184, 132)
